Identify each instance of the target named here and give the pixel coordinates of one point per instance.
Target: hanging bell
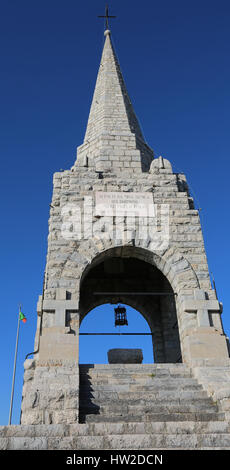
(120, 316)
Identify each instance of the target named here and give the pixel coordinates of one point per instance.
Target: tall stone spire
(111, 108)
(113, 138)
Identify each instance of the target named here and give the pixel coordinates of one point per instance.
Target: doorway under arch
(112, 278)
(94, 348)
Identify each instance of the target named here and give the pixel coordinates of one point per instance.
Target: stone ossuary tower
(123, 228)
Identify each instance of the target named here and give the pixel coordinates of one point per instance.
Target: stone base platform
(213, 435)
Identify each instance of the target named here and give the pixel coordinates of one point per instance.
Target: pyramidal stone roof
(111, 108)
(113, 139)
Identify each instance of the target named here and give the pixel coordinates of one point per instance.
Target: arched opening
(93, 348)
(120, 276)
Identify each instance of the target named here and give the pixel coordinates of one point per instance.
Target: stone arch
(175, 267)
(172, 267)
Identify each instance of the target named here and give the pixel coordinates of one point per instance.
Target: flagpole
(15, 360)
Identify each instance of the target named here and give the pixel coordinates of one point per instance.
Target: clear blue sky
(175, 60)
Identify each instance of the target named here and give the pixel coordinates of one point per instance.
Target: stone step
(142, 410)
(177, 434)
(141, 372)
(141, 369)
(166, 383)
(106, 428)
(142, 404)
(124, 392)
(192, 416)
(165, 365)
(151, 396)
(185, 396)
(153, 441)
(113, 442)
(156, 427)
(143, 393)
(143, 401)
(137, 398)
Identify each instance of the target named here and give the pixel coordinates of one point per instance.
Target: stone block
(215, 440)
(63, 443)
(183, 441)
(57, 346)
(206, 342)
(27, 443)
(31, 416)
(125, 356)
(89, 442)
(4, 442)
(65, 416)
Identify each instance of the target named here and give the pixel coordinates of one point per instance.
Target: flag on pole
(22, 317)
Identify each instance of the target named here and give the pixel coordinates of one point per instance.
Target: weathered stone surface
(51, 394)
(125, 356)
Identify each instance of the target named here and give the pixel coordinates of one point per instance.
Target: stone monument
(123, 228)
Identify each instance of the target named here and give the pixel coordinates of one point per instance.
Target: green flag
(22, 317)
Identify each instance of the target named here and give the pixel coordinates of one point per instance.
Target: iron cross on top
(107, 16)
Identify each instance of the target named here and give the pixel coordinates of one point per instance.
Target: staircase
(146, 406)
(142, 393)
(135, 406)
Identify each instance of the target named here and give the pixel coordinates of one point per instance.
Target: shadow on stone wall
(86, 396)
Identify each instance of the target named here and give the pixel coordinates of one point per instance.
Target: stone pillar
(51, 378)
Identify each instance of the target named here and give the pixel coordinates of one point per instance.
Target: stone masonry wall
(66, 257)
(50, 392)
(51, 387)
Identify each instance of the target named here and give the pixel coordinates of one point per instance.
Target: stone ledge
(186, 439)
